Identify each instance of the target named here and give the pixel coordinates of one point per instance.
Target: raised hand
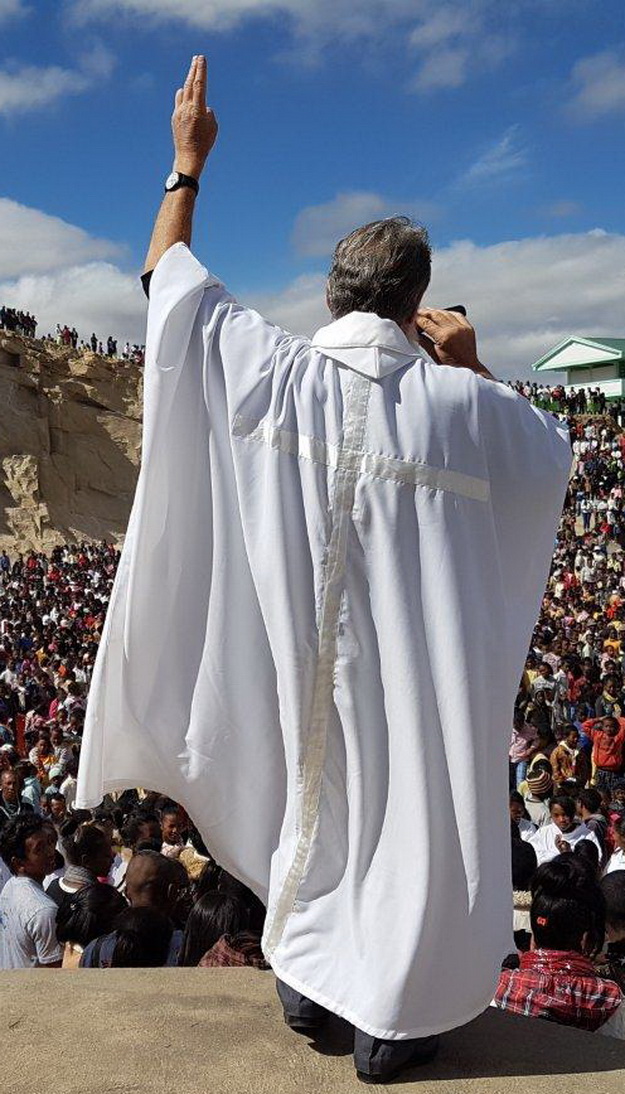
(448, 337)
(193, 123)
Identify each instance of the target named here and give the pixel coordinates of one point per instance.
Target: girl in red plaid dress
(556, 978)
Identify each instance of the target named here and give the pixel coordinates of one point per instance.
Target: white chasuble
(334, 561)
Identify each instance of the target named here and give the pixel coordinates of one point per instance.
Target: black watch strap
(176, 180)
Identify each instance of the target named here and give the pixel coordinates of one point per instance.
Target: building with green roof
(588, 362)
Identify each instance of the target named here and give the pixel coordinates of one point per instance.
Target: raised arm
(194, 129)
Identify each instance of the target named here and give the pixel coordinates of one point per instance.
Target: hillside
(70, 434)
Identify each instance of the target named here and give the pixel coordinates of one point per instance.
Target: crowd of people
(581, 400)
(68, 336)
(18, 322)
(131, 883)
(25, 324)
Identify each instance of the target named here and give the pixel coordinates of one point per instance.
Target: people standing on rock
(340, 733)
(94, 343)
(18, 322)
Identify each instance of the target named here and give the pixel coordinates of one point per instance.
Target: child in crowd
(562, 833)
(171, 830)
(590, 809)
(557, 980)
(520, 816)
(617, 858)
(569, 761)
(537, 791)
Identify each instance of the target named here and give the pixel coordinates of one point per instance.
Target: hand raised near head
(193, 123)
(448, 337)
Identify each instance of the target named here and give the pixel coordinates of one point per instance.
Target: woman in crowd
(215, 914)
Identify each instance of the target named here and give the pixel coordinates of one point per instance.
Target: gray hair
(383, 267)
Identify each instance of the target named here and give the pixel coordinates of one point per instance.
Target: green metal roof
(610, 343)
(615, 347)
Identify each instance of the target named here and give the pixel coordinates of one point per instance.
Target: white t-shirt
(68, 790)
(544, 840)
(526, 828)
(27, 926)
(616, 862)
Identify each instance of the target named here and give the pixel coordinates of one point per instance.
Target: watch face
(171, 180)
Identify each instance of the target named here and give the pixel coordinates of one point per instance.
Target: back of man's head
(383, 267)
(154, 881)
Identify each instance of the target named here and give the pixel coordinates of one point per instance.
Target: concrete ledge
(208, 1031)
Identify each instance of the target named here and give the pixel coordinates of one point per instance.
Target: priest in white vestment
(334, 561)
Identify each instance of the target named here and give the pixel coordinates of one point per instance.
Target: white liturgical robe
(334, 561)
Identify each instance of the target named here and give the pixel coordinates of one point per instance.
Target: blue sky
(499, 124)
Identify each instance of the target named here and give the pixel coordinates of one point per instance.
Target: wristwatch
(176, 180)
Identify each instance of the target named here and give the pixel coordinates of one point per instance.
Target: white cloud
(97, 63)
(60, 273)
(34, 242)
(457, 42)
(307, 16)
(436, 28)
(523, 295)
(318, 228)
(93, 297)
(501, 159)
(11, 8)
(448, 67)
(28, 87)
(562, 208)
(597, 86)
(300, 307)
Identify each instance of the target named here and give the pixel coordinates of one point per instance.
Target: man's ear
(409, 326)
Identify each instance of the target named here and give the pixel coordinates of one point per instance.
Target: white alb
(334, 561)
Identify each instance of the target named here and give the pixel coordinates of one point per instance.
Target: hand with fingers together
(193, 123)
(449, 339)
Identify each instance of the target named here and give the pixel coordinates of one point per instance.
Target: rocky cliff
(70, 434)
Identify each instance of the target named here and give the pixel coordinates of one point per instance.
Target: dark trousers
(372, 1056)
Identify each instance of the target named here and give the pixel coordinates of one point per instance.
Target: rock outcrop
(70, 436)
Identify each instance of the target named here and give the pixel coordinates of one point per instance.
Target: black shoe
(424, 1053)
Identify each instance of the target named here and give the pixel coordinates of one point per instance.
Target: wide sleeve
(528, 461)
(154, 632)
